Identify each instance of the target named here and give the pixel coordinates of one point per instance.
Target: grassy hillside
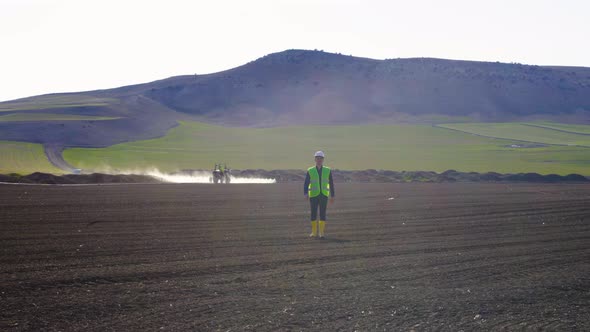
(523, 132)
(24, 158)
(304, 88)
(51, 117)
(54, 101)
(299, 87)
(411, 147)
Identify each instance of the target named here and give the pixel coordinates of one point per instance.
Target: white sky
(74, 45)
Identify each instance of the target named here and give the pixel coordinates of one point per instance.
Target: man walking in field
(317, 188)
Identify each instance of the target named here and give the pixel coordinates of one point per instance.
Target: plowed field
(238, 257)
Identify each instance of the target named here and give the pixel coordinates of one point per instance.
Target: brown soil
(203, 257)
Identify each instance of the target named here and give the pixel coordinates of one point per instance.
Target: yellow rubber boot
(314, 229)
(322, 227)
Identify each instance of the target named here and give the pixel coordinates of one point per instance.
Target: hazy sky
(72, 45)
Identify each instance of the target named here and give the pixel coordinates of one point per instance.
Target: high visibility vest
(315, 187)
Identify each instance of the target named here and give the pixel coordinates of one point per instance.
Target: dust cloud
(201, 177)
(182, 177)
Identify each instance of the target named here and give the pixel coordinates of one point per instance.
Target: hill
(298, 87)
(306, 87)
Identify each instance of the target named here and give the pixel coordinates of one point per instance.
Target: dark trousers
(322, 202)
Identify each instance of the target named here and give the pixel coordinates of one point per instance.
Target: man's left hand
(331, 200)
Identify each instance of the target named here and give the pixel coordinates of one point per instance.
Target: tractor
(221, 174)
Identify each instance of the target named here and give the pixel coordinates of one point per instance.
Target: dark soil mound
(96, 178)
(575, 178)
(110, 178)
(44, 178)
(491, 177)
(283, 176)
(13, 178)
(384, 176)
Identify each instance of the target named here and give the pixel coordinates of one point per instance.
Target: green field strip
(569, 128)
(24, 158)
(521, 132)
(195, 145)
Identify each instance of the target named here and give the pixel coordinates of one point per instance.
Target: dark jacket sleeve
(331, 185)
(306, 184)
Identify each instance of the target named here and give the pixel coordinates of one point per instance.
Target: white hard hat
(319, 154)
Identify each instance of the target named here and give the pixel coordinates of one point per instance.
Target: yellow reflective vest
(315, 187)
